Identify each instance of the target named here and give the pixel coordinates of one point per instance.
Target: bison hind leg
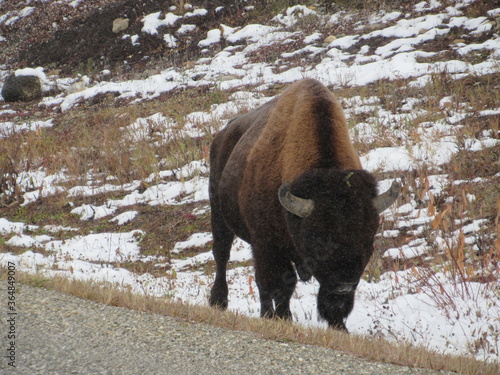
(223, 240)
(219, 293)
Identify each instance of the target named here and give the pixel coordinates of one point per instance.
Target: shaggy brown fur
(299, 140)
(306, 129)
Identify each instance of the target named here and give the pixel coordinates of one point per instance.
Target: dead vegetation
(371, 349)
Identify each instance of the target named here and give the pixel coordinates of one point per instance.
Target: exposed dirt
(82, 38)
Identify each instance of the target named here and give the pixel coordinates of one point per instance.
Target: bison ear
(297, 206)
(385, 200)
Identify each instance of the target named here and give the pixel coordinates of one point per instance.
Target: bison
(286, 179)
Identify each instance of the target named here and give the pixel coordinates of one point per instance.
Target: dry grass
(364, 347)
(92, 142)
(97, 142)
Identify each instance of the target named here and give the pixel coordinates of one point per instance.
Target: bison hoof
(339, 327)
(220, 303)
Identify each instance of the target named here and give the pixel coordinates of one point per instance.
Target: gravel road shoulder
(61, 334)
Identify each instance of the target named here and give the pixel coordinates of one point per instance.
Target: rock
(373, 27)
(188, 64)
(76, 87)
(21, 88)
(328, 40)
(120, 24)
(329, 25)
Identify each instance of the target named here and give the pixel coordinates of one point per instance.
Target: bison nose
(345, 287)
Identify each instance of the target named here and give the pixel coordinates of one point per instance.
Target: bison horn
(384, 200)
(297, 206)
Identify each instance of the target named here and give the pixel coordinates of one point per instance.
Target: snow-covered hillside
(433, 294)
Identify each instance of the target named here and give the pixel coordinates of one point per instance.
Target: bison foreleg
(276, 284)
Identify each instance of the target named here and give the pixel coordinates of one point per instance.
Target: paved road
(61, 334)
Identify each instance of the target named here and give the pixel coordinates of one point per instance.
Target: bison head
(332, 217)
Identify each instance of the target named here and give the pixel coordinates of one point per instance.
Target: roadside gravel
(61, 334)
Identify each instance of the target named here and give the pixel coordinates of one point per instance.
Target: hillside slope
(105, 177)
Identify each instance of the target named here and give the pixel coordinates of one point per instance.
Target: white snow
(38, 72)
(9, 128)
(314, 37)
(125, 217)
(170, 40)
(213, 36)
(103, 247)
(251, 32)
(153, 21)
(185, 29)
(406, 28)
(344, 42)
(23, 240)
(11, 17)
(196, 12)
(7, 227)
(197, 239)
(293, 14)
(89, 212)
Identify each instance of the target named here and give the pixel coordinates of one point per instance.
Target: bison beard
(286, 179)
(334, 308)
